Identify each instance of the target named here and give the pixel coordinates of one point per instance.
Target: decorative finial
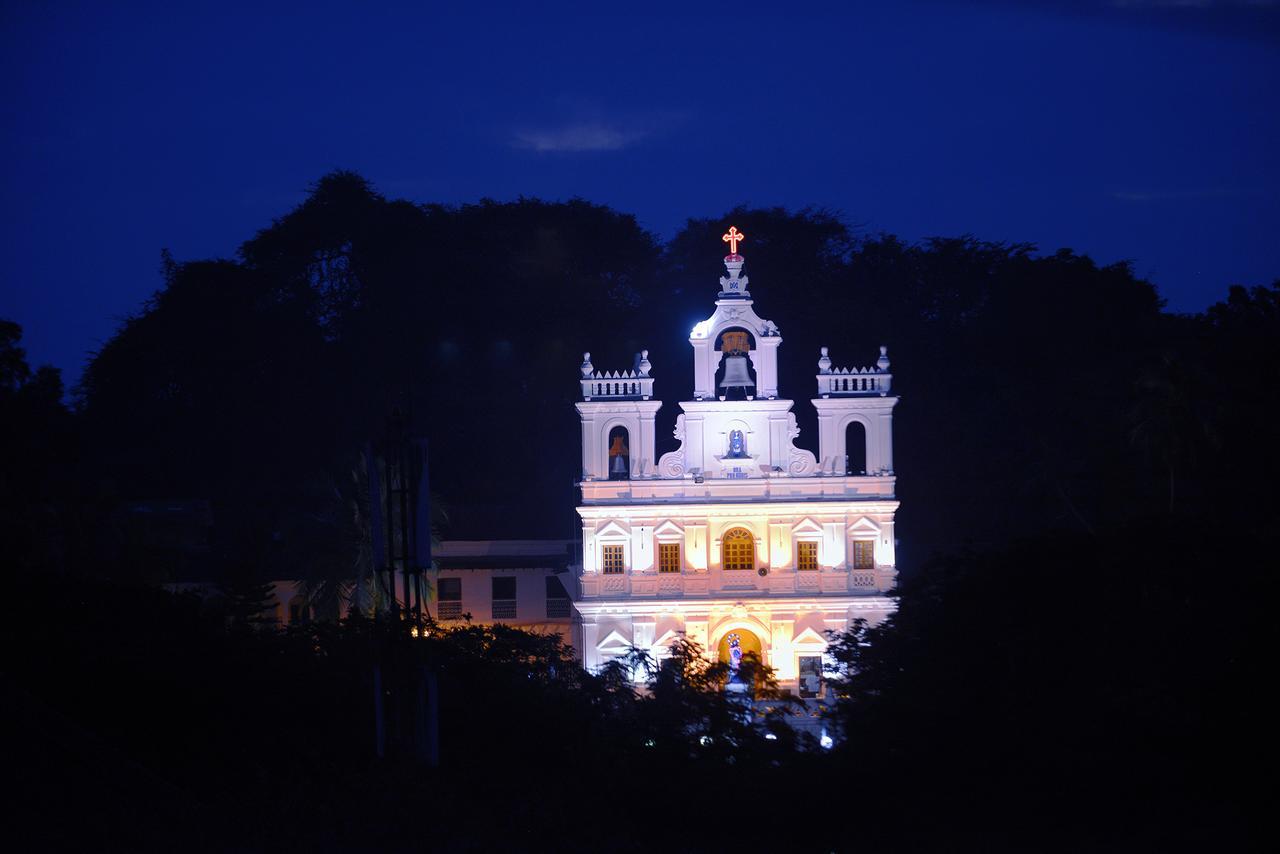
(883, 362)
(733, 237)
(824, 363)
(587, 368)
(642, 363)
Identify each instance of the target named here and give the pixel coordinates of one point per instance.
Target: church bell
(736, 374)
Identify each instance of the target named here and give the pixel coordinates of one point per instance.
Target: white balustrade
(617, 385)
(837, 382)
(862, 579)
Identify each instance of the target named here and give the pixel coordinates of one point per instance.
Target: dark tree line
(1086, 529)
(1039, 391)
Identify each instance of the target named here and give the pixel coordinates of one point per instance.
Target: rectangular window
(611, 560)
(557, 599)
(806, 555)
(449, 592)
(451, 589)
(810, 676)
(864, 554)
(504, 598)
(668, 557)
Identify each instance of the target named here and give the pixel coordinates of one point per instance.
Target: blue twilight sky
(1139, 129)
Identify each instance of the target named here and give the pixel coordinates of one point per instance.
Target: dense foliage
(1087, 527)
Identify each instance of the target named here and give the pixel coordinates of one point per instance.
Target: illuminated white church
(738, 540)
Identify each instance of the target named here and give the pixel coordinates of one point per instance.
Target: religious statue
(735, 655)
(619, 459)
(737, 445)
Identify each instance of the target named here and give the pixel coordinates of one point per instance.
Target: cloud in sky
(579, 137)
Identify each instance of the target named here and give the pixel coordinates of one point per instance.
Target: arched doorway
(619, 454)
(855, 448)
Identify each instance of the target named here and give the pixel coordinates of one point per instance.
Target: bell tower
(734, 313)
(617, 412)
(855, 398)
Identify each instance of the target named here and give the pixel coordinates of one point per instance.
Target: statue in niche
(619, 459)
(735, 656)
(737, 445)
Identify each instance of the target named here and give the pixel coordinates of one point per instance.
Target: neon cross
(733, 238)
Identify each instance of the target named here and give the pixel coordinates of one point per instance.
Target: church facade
(738, 539)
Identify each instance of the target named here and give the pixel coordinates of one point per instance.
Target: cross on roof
(733, 237)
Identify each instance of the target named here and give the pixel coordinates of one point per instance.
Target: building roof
(504, 554)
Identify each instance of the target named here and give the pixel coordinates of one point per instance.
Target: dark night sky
(1126, 129)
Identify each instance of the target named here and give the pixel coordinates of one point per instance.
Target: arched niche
(735, 336)
(618, 450)
(856, 447)
(747, 642)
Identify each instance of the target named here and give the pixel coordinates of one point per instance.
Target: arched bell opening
(735, 376)
(855, 448)
(619, 454)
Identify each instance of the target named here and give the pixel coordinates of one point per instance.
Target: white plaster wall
(599, 418)
(531, 599)
(776, 527)
(876, 416)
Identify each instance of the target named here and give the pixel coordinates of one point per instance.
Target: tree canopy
(1087, 510)
(1027, 379)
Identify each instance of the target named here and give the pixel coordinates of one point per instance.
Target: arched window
(619, 454)
(738, 550)
(855, 447)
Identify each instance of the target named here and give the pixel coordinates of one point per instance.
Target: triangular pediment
(806, 526)
(613, 531)
(809, 637)
(864, 526)
(613, 640)
(668, 529)
(667, 638)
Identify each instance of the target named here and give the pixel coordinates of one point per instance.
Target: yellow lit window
(806, 555)
(864, 554)
(668, 557)
(612, 560)
(739, 550)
